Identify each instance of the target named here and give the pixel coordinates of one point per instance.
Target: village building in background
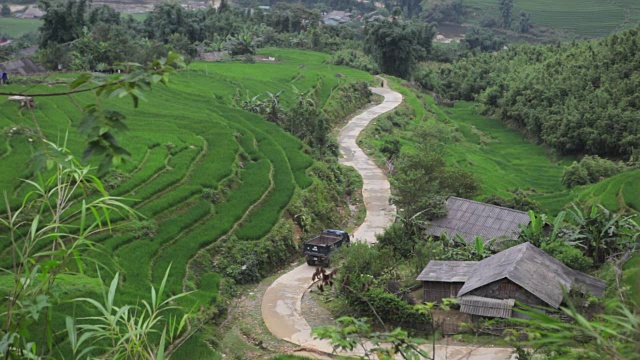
(470, 219)
(491, 287)
(336, 17)
(33, 12)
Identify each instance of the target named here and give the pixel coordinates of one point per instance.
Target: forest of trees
(579, 98)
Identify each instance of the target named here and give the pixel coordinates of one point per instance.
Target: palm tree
(243, 43)
(273, 109)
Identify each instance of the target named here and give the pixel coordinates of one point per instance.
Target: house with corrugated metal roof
(470, 219)
(490, 288)
(336, 17)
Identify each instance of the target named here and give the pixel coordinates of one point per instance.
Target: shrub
(427, 78)
(395, 238)
(248, 59)
(520, 201)
(590, 170)
(355, 59)
(568, 255)
(390, 147)
(346, 99)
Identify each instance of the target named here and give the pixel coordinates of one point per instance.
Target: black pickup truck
(317, 250)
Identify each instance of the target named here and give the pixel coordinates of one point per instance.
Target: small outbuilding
(470, 219)
(444, 279)
(33, 12)
(491, 287)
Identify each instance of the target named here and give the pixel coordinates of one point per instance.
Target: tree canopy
(398, 45)
(579, 98)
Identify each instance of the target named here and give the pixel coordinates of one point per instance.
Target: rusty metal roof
(478, 305)
(533, 269)
(470, 219)
(447, 271)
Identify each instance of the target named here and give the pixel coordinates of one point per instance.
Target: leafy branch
(99, 125)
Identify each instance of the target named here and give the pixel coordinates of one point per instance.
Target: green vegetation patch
(505, 160)
(582, 17)
(14, 27)
(501, 156)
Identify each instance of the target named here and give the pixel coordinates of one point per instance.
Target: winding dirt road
(282, 302)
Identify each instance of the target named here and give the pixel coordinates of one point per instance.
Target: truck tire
(310, 262)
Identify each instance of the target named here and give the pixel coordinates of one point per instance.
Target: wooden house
(470, 219)
(444, 279)
(491, 287)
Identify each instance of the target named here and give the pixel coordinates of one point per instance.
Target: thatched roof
(447, 271)
(478, 305)
(24, 66)
(470, 219)
(533, 269)
(33, 12)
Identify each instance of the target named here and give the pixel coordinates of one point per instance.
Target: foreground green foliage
(54, 244)
(614, 334)
(356, 334)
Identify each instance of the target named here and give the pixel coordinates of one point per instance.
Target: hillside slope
(204, 173)
(500, 157)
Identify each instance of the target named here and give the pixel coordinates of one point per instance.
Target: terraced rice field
(501, 157)
(189, 141)
(581, 17)
(618, 193)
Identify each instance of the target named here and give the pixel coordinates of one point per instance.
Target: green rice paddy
(13, 27)
(189, 140)
(580, 17)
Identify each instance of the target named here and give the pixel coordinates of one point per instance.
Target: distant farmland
(581, 17)
(14, 28)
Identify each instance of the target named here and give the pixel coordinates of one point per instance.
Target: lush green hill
(504, 160)
(620, 192)
(581, 17)
(201, 169)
